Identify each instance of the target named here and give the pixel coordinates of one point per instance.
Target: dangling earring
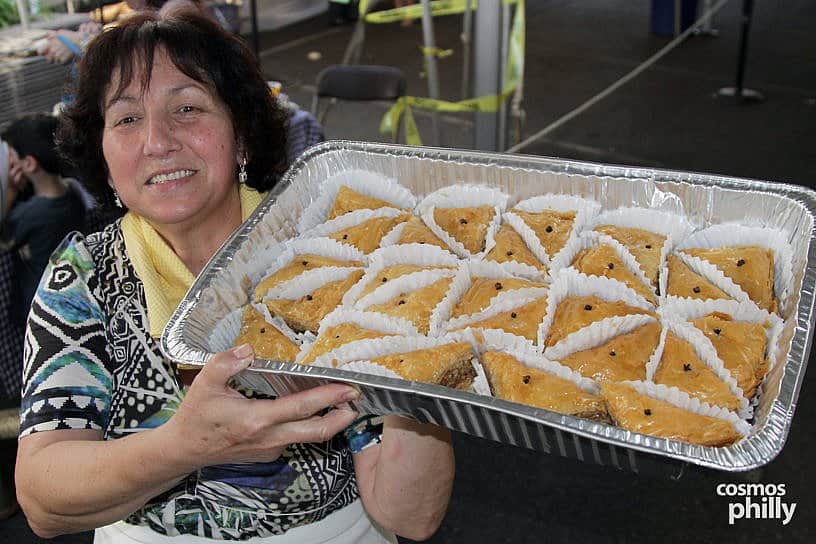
(242, 173)
(117, 200)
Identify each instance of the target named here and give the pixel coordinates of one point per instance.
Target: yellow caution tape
(414, 11)
(513, 74)
(436, 52)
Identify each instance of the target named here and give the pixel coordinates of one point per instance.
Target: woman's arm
(406, 481)
(69, 481)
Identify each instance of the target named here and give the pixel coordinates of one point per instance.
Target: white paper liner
(517, 268)
(732, 234)
(491, 340)
(514, 299)
(463, 196)
(584, 210)
(597, 334)
(462, 282)
(706, 352)
(480, 385)
(307, 282)
(407, 283)
(570, 282)
(393, 236)
(416, 254)
(707, 271)
(361, 181)
(351, 219)
(365, 350)
(684, 401)
(368, 320)
(591, 239)
(325, 247)
(689, 308)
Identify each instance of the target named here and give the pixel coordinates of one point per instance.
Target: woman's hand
(215, 424)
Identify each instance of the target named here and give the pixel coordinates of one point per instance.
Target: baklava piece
(367, 235)
(620, 359)
(339, 335)
(640, 413)
(551, 227)
(645, 246)
(750, 267)
(417, 232)
(267, 341)
(395, 271)
(741, 345)
(685, 283)
(576, 312)
(415, 306)
(298, 265)
(682, 368)
(522, 321)
(482, 291)
(467, 226)
(348, 200)
(602, 260)
(449, 365)
(511, 247)
(511, 380)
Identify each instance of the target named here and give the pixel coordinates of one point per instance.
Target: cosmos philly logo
(757, 501)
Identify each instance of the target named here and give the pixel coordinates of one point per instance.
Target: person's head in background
(32, 150)
(120, 67)
(165, 6)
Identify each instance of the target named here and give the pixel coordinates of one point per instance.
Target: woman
(180, 112)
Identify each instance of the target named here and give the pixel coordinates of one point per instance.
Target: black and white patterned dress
(90, 364)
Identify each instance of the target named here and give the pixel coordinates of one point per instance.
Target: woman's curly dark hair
(203, 51)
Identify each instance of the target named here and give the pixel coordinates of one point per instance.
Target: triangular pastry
(521, 321)
(622, 358)
(367, 235)
(449, 365)
(417, 232)
(267, 341)
(348, 200)
(640, 413)
(645, 246)
(467, 226)
(511, 380)
(750, 267)
(685, 283)
(482, 290)
(511, 247)
(682, 368)
(298, 265)
(394, 271)
(339, 335)
(602, 260)
(415, 306)
(305, 313)
(576, 312)
(551, 227)
(741, 345)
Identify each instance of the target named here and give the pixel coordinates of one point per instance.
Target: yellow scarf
(166, 279)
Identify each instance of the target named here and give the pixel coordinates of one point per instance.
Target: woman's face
(170, 150)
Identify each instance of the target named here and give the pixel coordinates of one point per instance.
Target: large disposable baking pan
(705, 199)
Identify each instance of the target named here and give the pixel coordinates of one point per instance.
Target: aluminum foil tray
(223, 286)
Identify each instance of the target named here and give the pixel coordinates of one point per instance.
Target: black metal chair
(357, 83)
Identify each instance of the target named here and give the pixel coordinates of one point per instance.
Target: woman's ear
(29, 164)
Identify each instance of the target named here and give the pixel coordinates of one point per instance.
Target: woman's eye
(125, 120)
(188, 109)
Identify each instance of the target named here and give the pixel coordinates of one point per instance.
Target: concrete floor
(665, 118)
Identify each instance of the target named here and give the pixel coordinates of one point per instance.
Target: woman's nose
(160, 137)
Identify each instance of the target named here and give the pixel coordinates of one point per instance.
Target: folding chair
(357, 83)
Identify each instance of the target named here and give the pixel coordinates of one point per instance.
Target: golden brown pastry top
(511, 247)
(339, 335)
(642, 414)
(645, 246)
(267, 341)
(750, 267)
(741, 345)
(602, 260)
(521, 321)
(511, 380)
(394, 271)
(466, 225)
(622, 358)
(684, 282)
(482, 290)
(298, 265)
(305, 313)
(447, 365)
(551, 227)
(367, 235)
(576, 312)
(348, 200)
(681, 367)
(415, 306)
(417, 232)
